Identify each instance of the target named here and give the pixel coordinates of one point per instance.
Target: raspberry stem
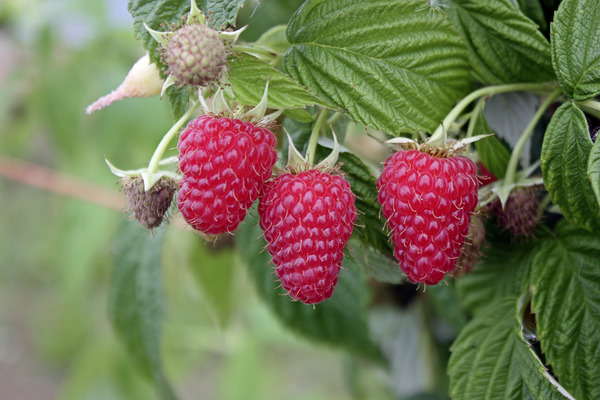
(487, 91)
(473, 120)
(314, 137)
(162, 146)
(511, 169)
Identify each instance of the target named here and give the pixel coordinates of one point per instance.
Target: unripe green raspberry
(148, 207)
(196, 55)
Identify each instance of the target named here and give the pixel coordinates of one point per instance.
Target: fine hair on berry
(307, 219)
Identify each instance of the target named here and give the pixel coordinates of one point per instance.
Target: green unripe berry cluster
(196, 55)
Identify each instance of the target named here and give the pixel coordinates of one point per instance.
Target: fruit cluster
(226, 160)
(307, 215)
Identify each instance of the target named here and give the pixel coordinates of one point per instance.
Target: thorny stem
(314, 137)
(511, 169)
(488, 91)
(162, 146)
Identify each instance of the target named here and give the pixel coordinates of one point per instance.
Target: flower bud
(143, 80)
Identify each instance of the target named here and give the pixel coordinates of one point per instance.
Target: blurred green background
(61, 213)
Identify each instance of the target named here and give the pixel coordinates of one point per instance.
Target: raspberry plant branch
(314, 137)
(487, 91)
(151, 177)
(511, 169)
(473, 119)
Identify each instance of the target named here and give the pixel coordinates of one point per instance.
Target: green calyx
(223, 105)
(298, 163)
(437, 145)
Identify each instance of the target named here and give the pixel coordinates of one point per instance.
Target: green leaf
(275, 39)
(135, 302)
(248, 77)
(533, 9)
(574, 36)
(178, 99)
(377, 265)
(392, 65)
(222, 13)
(504, 45)
(491, 360)
(564, 161)
(593, 169)
(566, 302)
(299, 114)
(214, 270)
(492, 153)
(154, 13)
(330, 321)
(503, 271)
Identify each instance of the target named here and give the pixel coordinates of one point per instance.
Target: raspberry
(225, 163)
(307, 219)
(520, 214)
(148, 207)
(196, 55)
(428, 202)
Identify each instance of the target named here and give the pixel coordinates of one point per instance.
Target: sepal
(149, 179)
(331, 160)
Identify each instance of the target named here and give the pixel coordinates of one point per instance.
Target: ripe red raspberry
(307, 219)
(225, 163)
(428, 202)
